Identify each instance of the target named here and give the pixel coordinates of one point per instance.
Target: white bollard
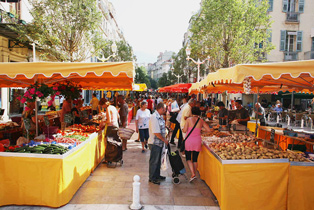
(277, 118)
(288, 121)
(302, 123)
(269, 117)
(136, 193)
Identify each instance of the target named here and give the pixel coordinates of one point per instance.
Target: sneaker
(143, 151)
(137, 140)
(145, 146)
(154, 181)
(161, 178)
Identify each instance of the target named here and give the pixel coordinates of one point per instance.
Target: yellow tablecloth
(48, 181)
(301, 188)
(245, 186)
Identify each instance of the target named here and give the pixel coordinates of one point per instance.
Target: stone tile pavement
(111, 188)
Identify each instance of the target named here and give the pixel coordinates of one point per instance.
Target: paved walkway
(111, 188)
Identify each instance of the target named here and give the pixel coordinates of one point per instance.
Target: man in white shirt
(157, 132)
(159, 100)
(186, 113)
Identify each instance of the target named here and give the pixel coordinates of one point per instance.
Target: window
(291, 5)
(271, 4)
(291, 41)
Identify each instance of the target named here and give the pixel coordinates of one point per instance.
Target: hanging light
(188, 50)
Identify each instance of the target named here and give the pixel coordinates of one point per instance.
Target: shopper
(184, 103)
(142, 124)
(111, 119)
(193, 142)
(174, 113)
(157, 131)
(186, 113)
(66, 108)
(260, 114)
(123, 112)
(150, 104)
(242, 115)
(94, 103)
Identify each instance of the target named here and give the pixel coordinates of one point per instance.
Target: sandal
(192, 178)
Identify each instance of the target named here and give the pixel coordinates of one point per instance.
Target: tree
(64, 30)
(167, 79)
(124, 52)
(231, 32)
(153, 83)
(141, 76)
(181, 66)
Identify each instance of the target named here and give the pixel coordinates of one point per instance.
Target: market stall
(230, 181)
(52, 177)
(177, 88)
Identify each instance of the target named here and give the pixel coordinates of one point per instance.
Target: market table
(245, 184)
(282, 140)
(48, 180)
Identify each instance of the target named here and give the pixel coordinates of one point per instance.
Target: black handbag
(183, 143)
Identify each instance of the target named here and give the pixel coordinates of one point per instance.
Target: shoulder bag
(183, 143)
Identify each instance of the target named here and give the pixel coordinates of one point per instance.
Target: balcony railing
(292, 17)
(290, 56)
(309, 55)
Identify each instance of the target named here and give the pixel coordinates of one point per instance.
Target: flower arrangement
(36, 90)
(69, 90)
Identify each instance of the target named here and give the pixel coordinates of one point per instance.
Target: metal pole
(34, 53)
(292, 100)
(198, 70)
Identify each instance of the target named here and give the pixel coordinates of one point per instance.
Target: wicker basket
(125, 133)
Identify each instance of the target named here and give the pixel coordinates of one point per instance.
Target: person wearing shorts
(142, 124)
(193, 142)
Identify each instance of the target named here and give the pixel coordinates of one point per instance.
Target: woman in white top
(141, 122)
(112, 117)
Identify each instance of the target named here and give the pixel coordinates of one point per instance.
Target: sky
(154, 26)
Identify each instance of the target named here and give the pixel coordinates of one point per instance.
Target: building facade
(162, 65)
(292, 31)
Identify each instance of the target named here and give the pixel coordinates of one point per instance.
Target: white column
(5, 103)
(136, 193)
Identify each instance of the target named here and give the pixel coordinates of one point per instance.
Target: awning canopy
(106, 76)
(140, 87)
(266, 78)
(177, 88)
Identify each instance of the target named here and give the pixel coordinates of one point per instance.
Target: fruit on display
(69, 140)
(43, 149)
(215, 133)
(249, 150)
(84, 128)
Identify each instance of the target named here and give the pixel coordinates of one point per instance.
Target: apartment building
(292, 30)
(162, 65)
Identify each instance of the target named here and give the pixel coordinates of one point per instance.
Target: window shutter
(284, 5)
(282, 40)
(269, 33)
(299, 41)
(301, 6)
(271, 3)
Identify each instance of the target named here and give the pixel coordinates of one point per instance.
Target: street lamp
(176, 75)
(198, 62)
(113, 49)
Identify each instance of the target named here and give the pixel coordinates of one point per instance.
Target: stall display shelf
(48, 180)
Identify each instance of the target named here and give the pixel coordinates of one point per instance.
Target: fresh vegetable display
(72, 139)
(43, 149)
(85, 128)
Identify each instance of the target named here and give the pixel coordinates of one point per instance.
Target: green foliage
(181, 66)
(153, 83)
(167, 79)
(229, 30)
(124, 52)
(141, 76)
(64, 30)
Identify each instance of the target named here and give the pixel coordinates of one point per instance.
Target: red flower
(63, 87)
(72, 89)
